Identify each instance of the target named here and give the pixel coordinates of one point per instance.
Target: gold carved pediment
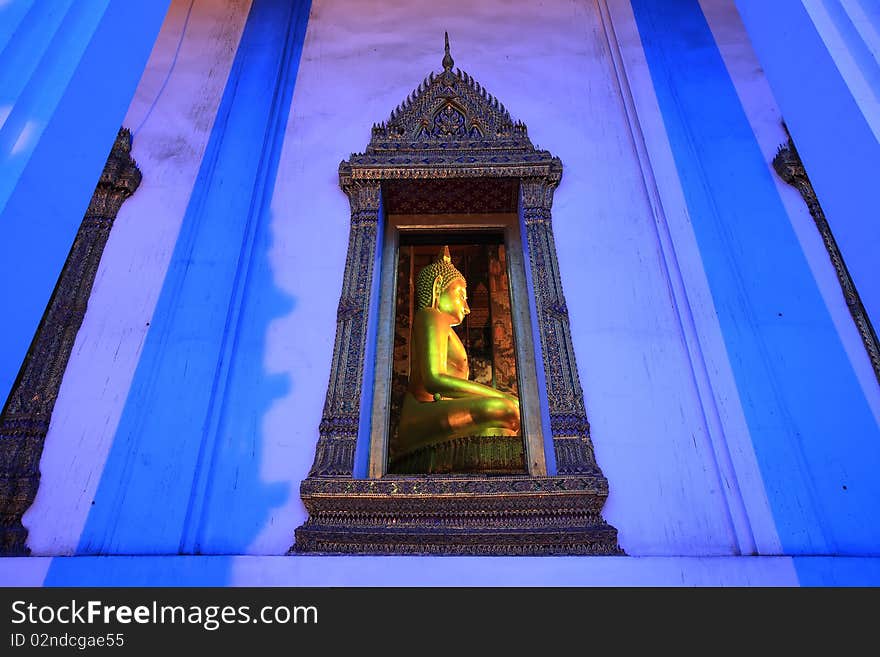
(449, 110)
(449, 127)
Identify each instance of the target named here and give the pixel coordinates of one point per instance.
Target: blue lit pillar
(68, 72)
(29, 29)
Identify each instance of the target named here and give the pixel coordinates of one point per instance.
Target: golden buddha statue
(440, 403)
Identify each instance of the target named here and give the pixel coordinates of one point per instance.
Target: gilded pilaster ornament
(448, 137)
(24, 421)
(568, 418)
(334, 455)
(791, 169)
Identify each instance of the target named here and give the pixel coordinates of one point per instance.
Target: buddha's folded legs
(434, 422)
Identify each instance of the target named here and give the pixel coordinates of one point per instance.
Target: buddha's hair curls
(443, 267)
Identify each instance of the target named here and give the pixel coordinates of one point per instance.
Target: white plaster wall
(709, 360)
(171, 117)
(549, 64)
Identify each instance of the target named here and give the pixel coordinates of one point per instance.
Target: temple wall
(699, 305)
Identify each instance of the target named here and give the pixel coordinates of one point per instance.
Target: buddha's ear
(436, 290)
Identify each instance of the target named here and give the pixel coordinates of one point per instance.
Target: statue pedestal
(456, 515)
(487, 455)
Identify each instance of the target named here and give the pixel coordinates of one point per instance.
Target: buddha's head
(440, 285)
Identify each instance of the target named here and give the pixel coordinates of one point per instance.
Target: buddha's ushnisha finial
(448, 62)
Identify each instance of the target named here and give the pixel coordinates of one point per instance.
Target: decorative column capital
(119, 180)
(364, 196)
(537, 193)
(790, 168)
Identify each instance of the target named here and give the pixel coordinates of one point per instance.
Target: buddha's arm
(434, 332)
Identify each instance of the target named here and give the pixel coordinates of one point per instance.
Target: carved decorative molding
(334, 455)
(445, 515)
(24, 421)
(791, 169)
(451, 196)
(452, 134)
(565, 398)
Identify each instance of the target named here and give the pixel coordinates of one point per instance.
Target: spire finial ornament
(448, 62)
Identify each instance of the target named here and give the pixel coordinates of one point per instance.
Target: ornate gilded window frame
(450, 129)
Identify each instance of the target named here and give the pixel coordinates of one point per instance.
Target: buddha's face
(453, 301)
